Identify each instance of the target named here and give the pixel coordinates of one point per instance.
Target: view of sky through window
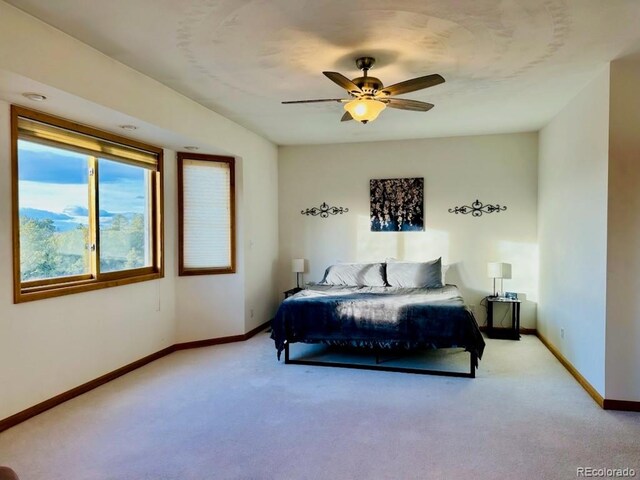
(123, 234)
(54, 213)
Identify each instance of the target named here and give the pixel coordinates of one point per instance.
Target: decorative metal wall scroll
(324, 211)
(397, 204)
(477, 208)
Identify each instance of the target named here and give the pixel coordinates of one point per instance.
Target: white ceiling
(509, 65)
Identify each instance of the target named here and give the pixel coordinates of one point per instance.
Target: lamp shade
(364, 110)
(498, 270)
(297, 265)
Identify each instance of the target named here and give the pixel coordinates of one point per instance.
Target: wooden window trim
(53, 281)
(48, 288)
(182, 270)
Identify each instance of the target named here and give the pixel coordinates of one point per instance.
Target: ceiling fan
(369, 96)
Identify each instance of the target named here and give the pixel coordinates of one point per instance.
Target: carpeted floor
(233, 412)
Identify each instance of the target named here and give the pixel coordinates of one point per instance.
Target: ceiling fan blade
(346, 117)
(405, 104)
(412, 85)
(316, 101)
(343, 81)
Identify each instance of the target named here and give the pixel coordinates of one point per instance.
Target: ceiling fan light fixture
(364, 110)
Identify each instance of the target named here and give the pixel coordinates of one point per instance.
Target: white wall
(494, 169)
(623, 253)
(49, 346)
(209, 306)
(223, 305)
(261, 244)
(572, 229)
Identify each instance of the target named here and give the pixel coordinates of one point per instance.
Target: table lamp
(498, 270)
(297, 267)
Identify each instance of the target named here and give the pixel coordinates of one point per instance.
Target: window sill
(185, 272)
(28, 294)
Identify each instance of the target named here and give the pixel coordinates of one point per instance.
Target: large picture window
(87, 207)
(206, 197)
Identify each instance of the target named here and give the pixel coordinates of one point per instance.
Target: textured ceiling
(510, 65)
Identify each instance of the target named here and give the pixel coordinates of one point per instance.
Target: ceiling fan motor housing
(368, 85)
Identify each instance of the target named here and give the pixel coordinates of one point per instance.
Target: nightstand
(512, 333)
(292, 291)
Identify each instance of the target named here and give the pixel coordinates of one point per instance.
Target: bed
(380, 318)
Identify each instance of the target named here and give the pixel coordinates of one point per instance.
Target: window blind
(51, 135)
(206, 205)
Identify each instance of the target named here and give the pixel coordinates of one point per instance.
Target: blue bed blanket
(378, 317)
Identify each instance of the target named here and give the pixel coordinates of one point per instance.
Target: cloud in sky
(79, 211)
(38, 163)
(76, 211)
(49, 166)
(53, 179)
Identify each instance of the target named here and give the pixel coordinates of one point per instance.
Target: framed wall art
(397, 205)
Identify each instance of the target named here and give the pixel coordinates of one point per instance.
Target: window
(206, 194)
(87, 208)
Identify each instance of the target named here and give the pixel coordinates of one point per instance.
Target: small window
(206, 191)
(87, 208)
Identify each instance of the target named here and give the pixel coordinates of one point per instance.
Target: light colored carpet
(233, 412)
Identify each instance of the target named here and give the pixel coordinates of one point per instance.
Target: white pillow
(355, 274)
(445, 268)
(415, 274)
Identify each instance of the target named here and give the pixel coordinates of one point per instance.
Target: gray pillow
(355, 274)
(415, 275)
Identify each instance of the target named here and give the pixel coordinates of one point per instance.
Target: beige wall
(494, 169)
(572, 229)
(623, 253)
(261, 241)
(589, 231)
(222, 305)
(49, 346)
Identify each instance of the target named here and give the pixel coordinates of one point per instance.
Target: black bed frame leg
(286, 352)
(474, 361)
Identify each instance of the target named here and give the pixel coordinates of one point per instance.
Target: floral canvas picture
(397, 205)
